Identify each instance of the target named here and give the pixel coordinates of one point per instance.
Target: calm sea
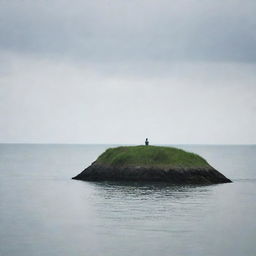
(43, 212)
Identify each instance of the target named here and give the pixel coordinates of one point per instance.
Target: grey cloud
(42, 100)
(83, 71)
(135, 30)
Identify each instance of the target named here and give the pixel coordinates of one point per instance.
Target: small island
(151, 163)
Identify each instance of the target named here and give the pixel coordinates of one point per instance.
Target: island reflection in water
(131, 201)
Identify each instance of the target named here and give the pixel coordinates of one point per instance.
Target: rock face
(97, 172)
(156, 164)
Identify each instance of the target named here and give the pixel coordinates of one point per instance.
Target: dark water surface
(43, 212)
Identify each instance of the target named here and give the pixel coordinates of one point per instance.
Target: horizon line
(188, 144)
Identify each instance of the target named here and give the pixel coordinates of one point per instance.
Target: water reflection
(148, 191)
(133, 205)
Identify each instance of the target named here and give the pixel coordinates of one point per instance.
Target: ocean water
(44, 212)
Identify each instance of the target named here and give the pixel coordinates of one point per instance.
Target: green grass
(150, 156)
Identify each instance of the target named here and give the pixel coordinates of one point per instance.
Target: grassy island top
(150, 156)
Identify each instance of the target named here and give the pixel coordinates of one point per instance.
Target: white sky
(120, 71)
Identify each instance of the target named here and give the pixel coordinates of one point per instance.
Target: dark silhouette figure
(146, 142)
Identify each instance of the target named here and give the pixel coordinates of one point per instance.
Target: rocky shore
(97, 172)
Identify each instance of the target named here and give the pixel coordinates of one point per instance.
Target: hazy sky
(116, 71)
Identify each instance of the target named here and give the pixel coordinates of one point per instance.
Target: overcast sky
(116, 71)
